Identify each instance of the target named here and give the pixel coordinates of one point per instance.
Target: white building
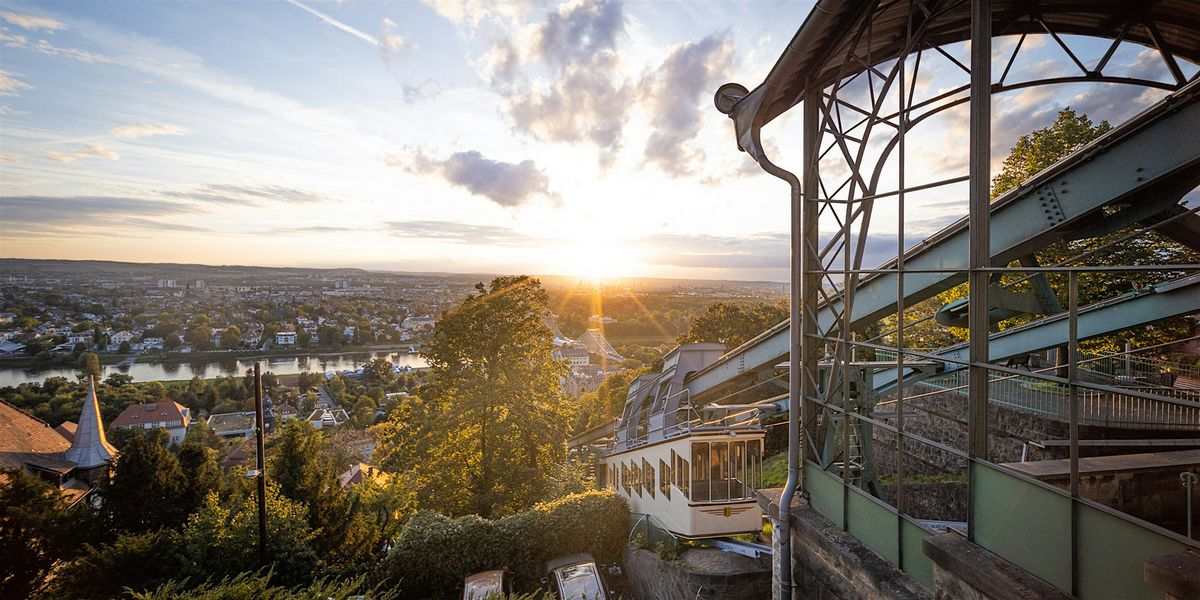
(171, 416)
(285, 338)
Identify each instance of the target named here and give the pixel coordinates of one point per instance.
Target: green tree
(36, 531)
(203, 473)
(200, 337)
(495, 421)
(231, 337)
(89, 365)
(221, 540)
(146, 488)
(733, 324)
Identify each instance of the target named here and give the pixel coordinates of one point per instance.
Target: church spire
(90, 448)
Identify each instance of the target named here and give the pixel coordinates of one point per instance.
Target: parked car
(575, 577)
(488, 584)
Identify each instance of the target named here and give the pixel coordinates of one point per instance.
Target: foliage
(304, 471)
(493, 420)
(137, 561)
(733, 324)
(146, 489)
(221, 540)
(36, 530)
(261, 586)
(606, 402)
(434, 552)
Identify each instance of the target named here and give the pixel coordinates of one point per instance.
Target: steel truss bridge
(860, 74)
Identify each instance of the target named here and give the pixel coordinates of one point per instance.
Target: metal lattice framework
(860, 73)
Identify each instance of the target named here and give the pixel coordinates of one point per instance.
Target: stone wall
(830, 564)
(698, 574)
(938, 501)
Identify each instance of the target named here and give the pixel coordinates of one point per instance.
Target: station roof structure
(820, 50)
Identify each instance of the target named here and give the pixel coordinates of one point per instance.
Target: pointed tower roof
(90, 448)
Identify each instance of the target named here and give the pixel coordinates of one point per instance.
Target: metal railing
(1170, 409)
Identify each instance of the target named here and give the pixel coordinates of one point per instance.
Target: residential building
(360, 472)
(239, 424)
(285, 338)
(171, 416)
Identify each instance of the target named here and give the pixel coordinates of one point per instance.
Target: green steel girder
(1141, 161)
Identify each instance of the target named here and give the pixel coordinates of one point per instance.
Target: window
(625, 479)
(635, 473)
(737, 470)
(700, 483)
(648, 474)
(719, 471)
(664, 479)
(753, 465)
(684, 477)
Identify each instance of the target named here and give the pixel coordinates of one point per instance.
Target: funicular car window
(700, 483)
(664, 479)
(648, 475)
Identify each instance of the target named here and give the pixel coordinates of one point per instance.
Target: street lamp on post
(260, 472)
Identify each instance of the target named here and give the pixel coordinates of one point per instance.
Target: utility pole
(260, 471)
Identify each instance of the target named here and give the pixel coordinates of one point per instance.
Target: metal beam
(1131, 164)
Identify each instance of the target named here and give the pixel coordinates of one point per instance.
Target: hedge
(434, 552)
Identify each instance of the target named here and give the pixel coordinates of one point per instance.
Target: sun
(596, 261)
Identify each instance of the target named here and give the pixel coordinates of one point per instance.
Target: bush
(258, 586)
(136, 561)
(435, 552)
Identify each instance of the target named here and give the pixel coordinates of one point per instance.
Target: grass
(774, 471)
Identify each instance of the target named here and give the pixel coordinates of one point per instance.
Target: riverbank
(113, 358)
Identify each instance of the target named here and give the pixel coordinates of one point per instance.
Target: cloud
(84, 151)
(673, 95)
(34, 216)
(11, 84)
(144, 130)
(249, 195)
(416, 92)
(459, 233)
(32, 22)
(389, 42)
(586, 99)
(468, 14)
(506, 184)
(45, 47)
(755, 251)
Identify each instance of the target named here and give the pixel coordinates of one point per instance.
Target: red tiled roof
(67, 430)
(25, 440)
(136, 415)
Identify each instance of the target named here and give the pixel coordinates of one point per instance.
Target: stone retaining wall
(698, 574)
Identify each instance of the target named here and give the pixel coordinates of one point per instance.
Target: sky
(574, 138)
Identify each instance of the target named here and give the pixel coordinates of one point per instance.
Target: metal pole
(261, 468)
(1073, 417)
(980, 240)
(1189, 480)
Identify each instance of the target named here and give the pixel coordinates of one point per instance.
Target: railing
(687, 420)
(1170, 409)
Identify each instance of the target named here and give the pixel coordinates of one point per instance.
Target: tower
(90, 449)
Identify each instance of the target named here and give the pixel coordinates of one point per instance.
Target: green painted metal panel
(1025, 524)
(1112, 554)
(824, 493)
(873, 525)
(915, 562)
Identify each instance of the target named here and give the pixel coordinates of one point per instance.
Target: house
(121, 337)
(360, 472)
(574, 355)
(82, 337)
(228, 425)
(31, 445)
(286, 411)
(285, 338)
(11, 348)
(171, 416)
(328, 418)
(418, 323)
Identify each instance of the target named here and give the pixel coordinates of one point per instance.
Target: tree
(231, 337)
(203, 473)
(146, 487)
(125, 347)
(221, 540)
(89, 365)
(733, 324)
(200, 337)
(36, 531)
(304, 471)
(495, 421)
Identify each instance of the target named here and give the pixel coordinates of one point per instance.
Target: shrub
(258, 586)
(435, 552)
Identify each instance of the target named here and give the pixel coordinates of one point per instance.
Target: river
(208, 367)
